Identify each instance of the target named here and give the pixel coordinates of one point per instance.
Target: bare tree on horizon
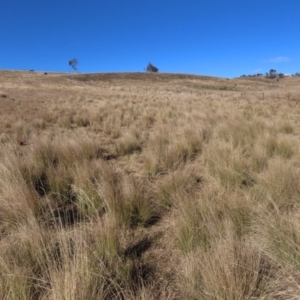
(73, 64)
(151, 68)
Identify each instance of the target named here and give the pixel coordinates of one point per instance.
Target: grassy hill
(148, 186)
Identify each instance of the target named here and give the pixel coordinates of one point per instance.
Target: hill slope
(148, 186)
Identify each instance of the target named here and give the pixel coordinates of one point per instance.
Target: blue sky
(205, 37)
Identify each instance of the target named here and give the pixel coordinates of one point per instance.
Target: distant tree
(272, 73)
(151, 68)
(281, 75)
(254, 75)
(73, 64)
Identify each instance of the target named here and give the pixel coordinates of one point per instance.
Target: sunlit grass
(174, 191)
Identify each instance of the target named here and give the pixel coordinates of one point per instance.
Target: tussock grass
(126, 198)
(279, 185)
(230, 270)
(129, 144)
(178, 184)
(280, 147)
(287, 128)
(146, 187)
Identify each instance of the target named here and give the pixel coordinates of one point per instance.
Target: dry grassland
(149, 186)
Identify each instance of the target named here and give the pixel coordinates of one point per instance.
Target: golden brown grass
(148, 186)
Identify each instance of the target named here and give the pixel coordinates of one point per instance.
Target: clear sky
(224, 38)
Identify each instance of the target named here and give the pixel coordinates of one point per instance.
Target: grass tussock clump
(129, 144)
(230, 165)
(230, 270)
(18, 202)
(131, 187)
(279, 186)
(126, 198)
(279, 147)
(287, 128)
(164, 152)
(204, 217)
(177, 184)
